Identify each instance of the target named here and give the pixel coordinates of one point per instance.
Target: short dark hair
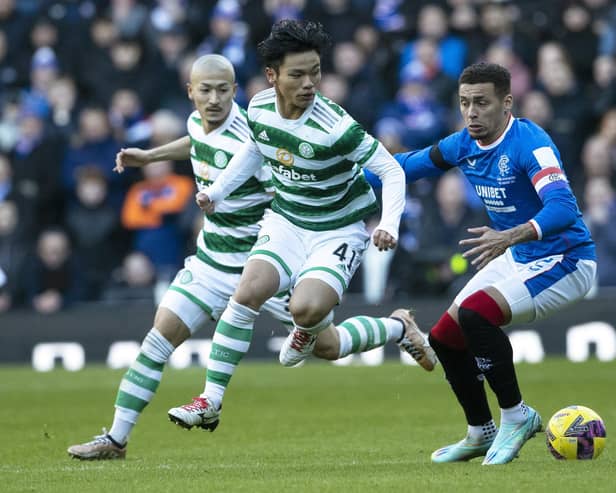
(482, 72)
(292, 36)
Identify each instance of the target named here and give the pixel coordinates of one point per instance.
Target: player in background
(312, 239)
(201, 290)
(537, 258)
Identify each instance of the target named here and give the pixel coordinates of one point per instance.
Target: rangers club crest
(503, 165)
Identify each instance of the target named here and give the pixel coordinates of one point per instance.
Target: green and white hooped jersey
(316, 162)
(229, 234)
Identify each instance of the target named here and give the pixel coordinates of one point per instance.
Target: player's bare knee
(307, 312)
(171, 326)
(251, 293)
(246, 298)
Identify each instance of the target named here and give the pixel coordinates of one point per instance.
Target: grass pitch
(317, 428)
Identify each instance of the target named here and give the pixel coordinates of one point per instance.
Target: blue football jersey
(513, 176)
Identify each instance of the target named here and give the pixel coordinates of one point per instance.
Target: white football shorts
(200, 293)
(297, 253)
(536, 289)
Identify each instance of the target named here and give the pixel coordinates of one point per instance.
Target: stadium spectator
(571, 111)
(445, 221)
(600, 215)
(350, 62)
(129, 17)
(14, 253)
(52, 277)
(382, 59)
(13, 71)
(502, 54)
(127, 118)
(334, 87)
(392, 17)
(229, 37)
(132, 67)
(602, 91)
(464, 20)
(428, 69)
(15, 24)
(607, 127)
(424, 118)
(93, 145)
(278, 10)
(151, 211)
(165, 126)
(134, 280)
(500, 24)
(578, 35)
(63, 101)
(339, 17)
(598, 158)
(94, 59)
(35, 161)
(176, 102)
(432, 24)
(390, 132)
(44, 71)
(93, 226)
(46, 33)
(391, 282)
(171, 45)
(167, 13)
(549, 53)
(536, 107)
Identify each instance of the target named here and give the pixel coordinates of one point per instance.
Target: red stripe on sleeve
(546, 172)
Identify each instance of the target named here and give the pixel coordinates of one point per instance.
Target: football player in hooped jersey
(537, 258)
(312, 239)
(201, 290)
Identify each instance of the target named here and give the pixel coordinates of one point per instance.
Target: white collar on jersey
(500, 139)
(302, 119)
(233, 112)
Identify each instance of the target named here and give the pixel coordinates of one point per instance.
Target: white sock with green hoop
(139, 384)
(358, 334)
(229, 345)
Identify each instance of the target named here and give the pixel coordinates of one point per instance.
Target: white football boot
(413, 341)
(297, 347)
(103, 447)
(200, 412)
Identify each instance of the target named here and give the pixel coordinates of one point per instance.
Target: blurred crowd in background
(79, 79)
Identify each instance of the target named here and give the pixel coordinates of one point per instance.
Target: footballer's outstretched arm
(243, 165)
(383, 165)
(176, 150)
(418, 164)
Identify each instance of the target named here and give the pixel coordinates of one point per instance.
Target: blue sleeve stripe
(551, 187)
